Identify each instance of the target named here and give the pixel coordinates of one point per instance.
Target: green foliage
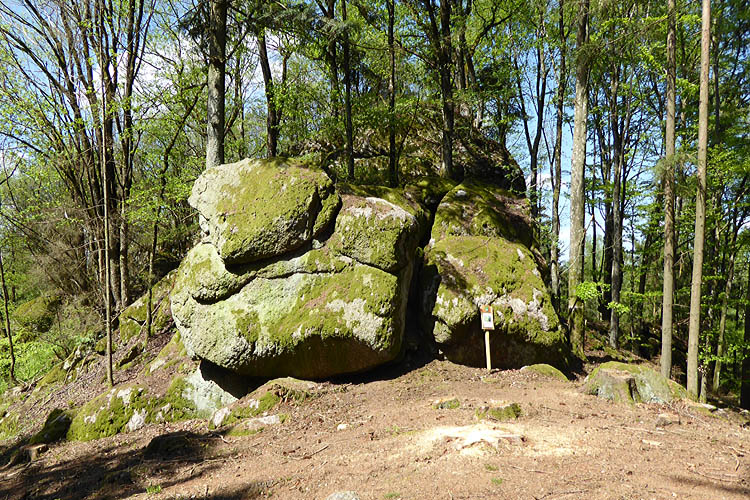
(590, 290)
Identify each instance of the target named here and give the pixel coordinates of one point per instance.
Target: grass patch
(497, 481)
(153, 489)
(491, 468)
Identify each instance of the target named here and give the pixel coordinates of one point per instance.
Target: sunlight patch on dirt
(483, 438)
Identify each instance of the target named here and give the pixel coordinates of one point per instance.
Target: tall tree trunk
(556, 173)
(745, 370)
(700, 208)
(107, 271)
(348, 98)
(614, 320)
(330, 15)
(578, 162)
(273, 116)
(721, 348)
(8, 333)
(392, 160)
(669, 243)
(217, 42)
(446, 92)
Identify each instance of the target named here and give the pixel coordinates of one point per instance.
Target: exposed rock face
(256, 209)
(263, 297)
(482, 253)
(622, 382)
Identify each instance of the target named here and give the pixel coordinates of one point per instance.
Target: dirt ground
(384, 437)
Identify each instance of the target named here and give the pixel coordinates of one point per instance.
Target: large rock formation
(292, 278)
(482, 252)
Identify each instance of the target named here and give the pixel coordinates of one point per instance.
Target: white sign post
(488, 323)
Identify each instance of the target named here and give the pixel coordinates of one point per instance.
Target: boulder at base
(622, 382)
(316, 308)
(482, 252)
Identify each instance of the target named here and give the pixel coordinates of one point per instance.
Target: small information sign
(488, 323)
(488, 316)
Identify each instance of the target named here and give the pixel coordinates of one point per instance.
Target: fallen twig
(528, 470)
(307, 456)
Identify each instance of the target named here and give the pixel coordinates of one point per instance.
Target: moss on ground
(53, 377)
(500, 413)
(546, 371)
(55, 427)
(133, 318)
(9, 426)
(38, 314)
(450, 404)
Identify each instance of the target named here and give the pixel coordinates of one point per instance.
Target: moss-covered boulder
(55, 427)
(482, 252)
(545, 370)
(336, 304)
(376, 232)
(133, 318)
(38, 314)
(340, 317)
(257, 209)
(622, 382)
(128, 408)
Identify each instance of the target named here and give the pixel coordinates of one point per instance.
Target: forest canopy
(110, 109)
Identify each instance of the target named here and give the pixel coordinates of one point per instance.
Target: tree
(668, 285)
(217, 61)
(392, 153)
(745, 366)
(438, 31)
(578, 161)
(556, 165)
(8, 333)
(700, 207)
(348, 97)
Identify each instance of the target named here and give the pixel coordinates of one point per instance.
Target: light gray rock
(310, 308)
(343, 495)
(256, 209)
(482, 252)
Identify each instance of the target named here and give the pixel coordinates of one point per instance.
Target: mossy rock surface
(133, 318)
(128, 408)
(546, 371)
(462, 273)
(476, 209)
(307, 325)
(482, 253)
(499, 413)
(310, 314)
(257, 209)
(622, 382)
(375, 232)
(55, 427)
(39, 313)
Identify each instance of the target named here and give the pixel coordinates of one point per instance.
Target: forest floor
(384, 437)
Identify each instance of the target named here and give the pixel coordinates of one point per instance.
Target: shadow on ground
(121, 470)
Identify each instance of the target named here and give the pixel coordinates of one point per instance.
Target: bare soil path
(384, 438)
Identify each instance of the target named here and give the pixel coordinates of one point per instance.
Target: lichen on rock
(257, 209)
(482, 253)
(622, 382)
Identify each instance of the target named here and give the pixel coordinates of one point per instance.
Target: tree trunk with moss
(577, 185)
(700, 208)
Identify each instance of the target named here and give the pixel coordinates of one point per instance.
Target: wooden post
(487, 316)
(487, 349)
